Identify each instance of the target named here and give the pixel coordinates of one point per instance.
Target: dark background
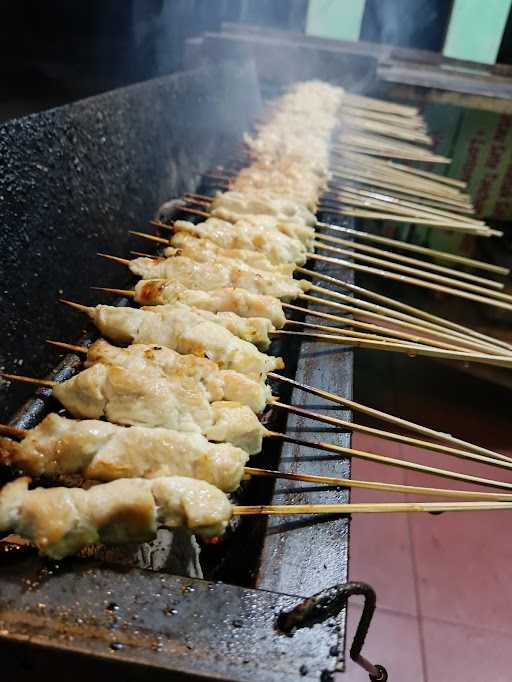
(59, 51)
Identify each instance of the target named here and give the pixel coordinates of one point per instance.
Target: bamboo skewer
(411, 125)
(391, 461)
(452, 337)
(406, 246)
(407, 175)
(350, 322)
(399, 267)
(385, 202)
(406, 279)
(427, 174)
(386, 417)
(351, 244)
(367, 179)
(429, 320)
(397, 218)
(410, 349)
(368, 507)
(383, 487)
(336, 331)
(503, 462)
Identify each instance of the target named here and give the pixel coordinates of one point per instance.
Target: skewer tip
(76, 306)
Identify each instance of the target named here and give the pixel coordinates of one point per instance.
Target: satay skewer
(337, 422)
(395, 462)
(100, 513)
(297, 476)
(487, 343)
(320, 239)
(462, 289)
(369, 507)
(501, 462)
(409, 349)
(377, 330)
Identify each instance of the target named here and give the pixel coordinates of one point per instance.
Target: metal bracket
(327, 604)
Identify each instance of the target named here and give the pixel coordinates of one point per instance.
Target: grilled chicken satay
(284, 177)
(61, 521)
(135, 397)
(184, 243)
(185, 330)
(222, 273)
(105, 452)
(278, 247)
(219, 384)
(264, 203)
(244, 303)
(305, 233)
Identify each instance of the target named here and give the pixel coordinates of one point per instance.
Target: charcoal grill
(73, 181)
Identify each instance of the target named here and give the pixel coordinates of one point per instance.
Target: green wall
(338, 19)
(475, 30)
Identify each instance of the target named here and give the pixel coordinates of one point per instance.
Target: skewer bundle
(169, 422)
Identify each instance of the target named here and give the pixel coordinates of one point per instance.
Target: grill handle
(327, 604)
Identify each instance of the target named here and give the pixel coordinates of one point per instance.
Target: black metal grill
(74, 181)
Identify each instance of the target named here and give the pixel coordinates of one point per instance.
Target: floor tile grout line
(421, 631)
(419, 621)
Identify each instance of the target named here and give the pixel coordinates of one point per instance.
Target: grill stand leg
(328, 604)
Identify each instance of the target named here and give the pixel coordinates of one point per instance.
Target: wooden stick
(396, 218)
(336, 331)
(427, 174)
(362, 101)
(14, 431)
(128, 293)
(365, 179)
(452, 337)
(409, 123)
(322, 238)
(141, 254)
(28, 380)
(350, 322)
(399, 267)
(503, 461)
(150, 237)
(403, 174)
(384, 128)
(410, 349)
(374, 485)
(406, 246)
(375, 507)
(391, 461)
(83, 350)
(114, 259)
(76, 306)
(405, 279)
(413, 208)
(386, 417)
(413, 314)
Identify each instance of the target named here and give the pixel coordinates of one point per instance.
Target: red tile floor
(443, 591)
